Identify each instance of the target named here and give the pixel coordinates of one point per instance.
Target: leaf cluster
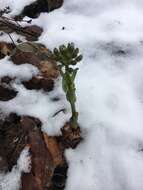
(67, 55)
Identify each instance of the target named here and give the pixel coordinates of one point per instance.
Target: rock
(49, 168)
(70, 137)
(54, 149)
(6, 90)
(7, 93)
(38, 83)
(20, 57)
(30, 32)
(49, 69)
(3, 163)
(42, 165)
(59, 177)
(11, 141)
(5, 49)
(39, 56)
(3, 159)
(6, 80)
(33, 10)
(54, 4)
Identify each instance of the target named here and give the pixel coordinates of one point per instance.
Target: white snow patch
(23, 72)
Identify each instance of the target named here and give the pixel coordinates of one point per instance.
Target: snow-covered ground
(109, 91)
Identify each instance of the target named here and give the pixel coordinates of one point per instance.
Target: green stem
(74, 117)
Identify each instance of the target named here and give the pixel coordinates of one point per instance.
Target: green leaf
(75, 53)
(70, 47)
(74, 74)
(71, 97)
(70, 70)
(79, 58)
(62, 49)
(56, 52)
(64, 85)
(73, 62)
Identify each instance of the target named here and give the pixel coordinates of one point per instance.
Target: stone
(30, 32)
(71, 137)
(40, 57)
(54, 149)
(33, 10)
(11, 140)
(38, 83)
(5, 49)
(42, 165)
(7, 93)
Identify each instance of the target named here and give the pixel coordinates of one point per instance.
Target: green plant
(68, 56)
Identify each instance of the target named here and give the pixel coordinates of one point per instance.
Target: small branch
(11, 39)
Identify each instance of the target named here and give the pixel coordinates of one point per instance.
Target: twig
(11, 39)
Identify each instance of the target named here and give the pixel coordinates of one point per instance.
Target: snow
(24, 161)
(109, 91)
(23, 72)
(11, 180)
(14, 36)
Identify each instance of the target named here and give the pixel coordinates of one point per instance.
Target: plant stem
(74, 117)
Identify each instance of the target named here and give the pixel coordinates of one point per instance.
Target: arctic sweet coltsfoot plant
(68, 56)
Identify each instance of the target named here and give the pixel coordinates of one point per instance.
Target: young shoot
(68, 56)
